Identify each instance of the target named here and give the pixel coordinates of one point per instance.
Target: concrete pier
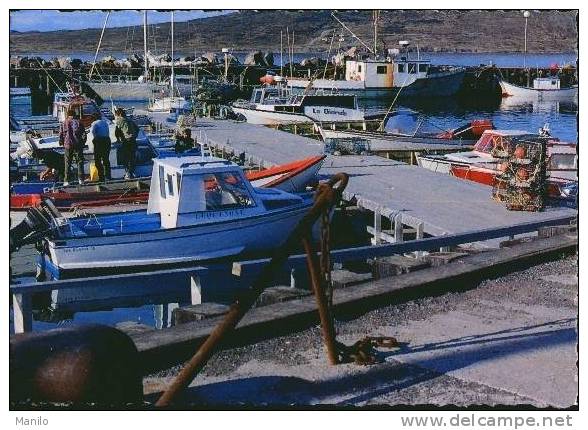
(434, 203)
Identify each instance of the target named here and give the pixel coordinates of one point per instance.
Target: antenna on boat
(526, 14)
(145, 60)
(376, 17)
(351, 32)
(173, 78)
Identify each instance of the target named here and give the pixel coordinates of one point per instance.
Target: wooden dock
(429, 202)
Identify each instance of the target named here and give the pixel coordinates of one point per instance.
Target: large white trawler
(379, 78)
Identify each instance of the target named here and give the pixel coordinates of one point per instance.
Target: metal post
(327, 325)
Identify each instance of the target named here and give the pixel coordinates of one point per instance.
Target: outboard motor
(39, 221)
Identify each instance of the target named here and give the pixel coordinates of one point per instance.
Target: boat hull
(161, 248)
(395, 142)
(532, 94)
(441, 84)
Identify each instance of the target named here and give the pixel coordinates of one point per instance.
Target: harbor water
(444, 114)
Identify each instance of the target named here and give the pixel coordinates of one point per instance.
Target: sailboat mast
(145, 60)
(173, 78)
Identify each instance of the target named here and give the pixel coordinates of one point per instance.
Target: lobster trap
(521, 183)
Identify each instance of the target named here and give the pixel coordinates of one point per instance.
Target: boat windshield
(225, 191)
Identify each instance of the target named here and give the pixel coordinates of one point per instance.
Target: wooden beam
(162, 349)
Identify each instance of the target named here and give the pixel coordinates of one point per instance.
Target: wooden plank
(148, 279)
(23, 313)
(165, 348)
(427, 244)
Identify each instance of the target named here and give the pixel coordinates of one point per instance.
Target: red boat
(481, 166)
(291, 177)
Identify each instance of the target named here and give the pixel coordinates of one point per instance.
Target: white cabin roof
(194, 164)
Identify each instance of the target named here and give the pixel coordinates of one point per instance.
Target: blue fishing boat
(199, 209)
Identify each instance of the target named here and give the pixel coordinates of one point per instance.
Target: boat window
(179, 181)
(359, 68)
(412, 68)
(170, 184)
(562, 162)
(423, 68)
(257, 97)
(400, 68)
(225, 191)
(161, 182)
(382, 70)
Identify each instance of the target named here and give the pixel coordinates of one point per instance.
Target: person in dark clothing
(72, 136)
(101, 139)
(126, 132)
(184, 141)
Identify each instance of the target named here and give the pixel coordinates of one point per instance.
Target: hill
(432, 30)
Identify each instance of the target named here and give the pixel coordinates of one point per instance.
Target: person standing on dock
(72, 136)
(101, 139)
(126, 132)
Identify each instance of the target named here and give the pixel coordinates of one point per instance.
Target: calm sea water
(500, 59)
(443, 114)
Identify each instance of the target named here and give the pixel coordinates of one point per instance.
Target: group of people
(72, 136)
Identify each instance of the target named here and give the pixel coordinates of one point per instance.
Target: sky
(48, 20)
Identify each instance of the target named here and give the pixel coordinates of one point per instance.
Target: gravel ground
(292, 369)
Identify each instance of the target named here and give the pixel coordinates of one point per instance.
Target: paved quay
(442, 203)
(507, 341)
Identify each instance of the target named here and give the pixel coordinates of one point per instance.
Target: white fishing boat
(169, 104)
(391, 76)
(199, 209)
(173, 102)
(406, 130)
(548, 89)
(276, 104)
(125, 88)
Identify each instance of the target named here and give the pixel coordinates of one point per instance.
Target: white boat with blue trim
(199, 209)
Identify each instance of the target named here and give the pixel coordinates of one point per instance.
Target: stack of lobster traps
(521, 184)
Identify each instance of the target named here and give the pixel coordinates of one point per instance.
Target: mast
(173, 78)
(98, 47)
(145, 60)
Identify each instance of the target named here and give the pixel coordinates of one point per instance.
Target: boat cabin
(387, 74)
(283, 100)
(189, 190)
(552, 83)
(373, 73)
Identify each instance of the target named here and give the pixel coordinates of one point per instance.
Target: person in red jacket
(72, 136)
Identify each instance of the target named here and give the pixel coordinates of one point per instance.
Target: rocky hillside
(432, 30)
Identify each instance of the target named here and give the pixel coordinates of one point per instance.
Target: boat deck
(442, 204)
